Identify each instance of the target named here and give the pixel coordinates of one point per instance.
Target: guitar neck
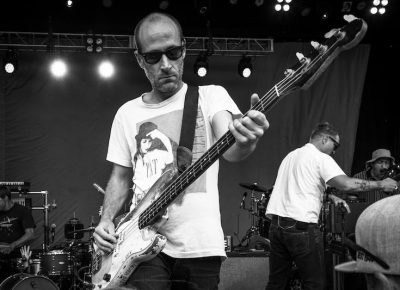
(302, 75)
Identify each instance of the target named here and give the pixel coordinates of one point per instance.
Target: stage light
(94, 43)
(286, 7)
(10, 62)
(106, 69)
(374, 10)
(58, 68)
(70, 3)
(278, 7)
(288, 1)
(384, 2)
(201, 65)
(376, 2)
(245, 67)
(382, 10)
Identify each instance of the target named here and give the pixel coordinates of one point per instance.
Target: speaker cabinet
(244, 273)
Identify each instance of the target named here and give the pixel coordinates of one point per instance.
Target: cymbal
(89, 229)
(253, 186)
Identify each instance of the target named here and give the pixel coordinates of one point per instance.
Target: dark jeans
(164, 272)
(293, 241)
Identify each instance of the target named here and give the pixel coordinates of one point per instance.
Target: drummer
(16, 230)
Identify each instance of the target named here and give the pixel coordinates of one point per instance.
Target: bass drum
(27, 282)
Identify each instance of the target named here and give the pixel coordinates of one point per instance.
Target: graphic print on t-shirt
(156, 143)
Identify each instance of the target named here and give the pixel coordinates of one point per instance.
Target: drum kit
(257, 235)
(64, 266)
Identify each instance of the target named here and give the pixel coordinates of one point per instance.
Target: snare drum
(26, 282)
(56, 263)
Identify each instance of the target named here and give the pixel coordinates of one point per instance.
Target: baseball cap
(378, 239)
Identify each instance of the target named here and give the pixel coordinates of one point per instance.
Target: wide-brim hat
(380, 153)
(145, 129)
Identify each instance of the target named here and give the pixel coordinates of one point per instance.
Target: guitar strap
(189, 117)
(184, 150)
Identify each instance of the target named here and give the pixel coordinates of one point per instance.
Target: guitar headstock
(310, 67)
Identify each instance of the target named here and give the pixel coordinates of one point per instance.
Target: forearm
(238, 153)
(116, 193)
(355, 184)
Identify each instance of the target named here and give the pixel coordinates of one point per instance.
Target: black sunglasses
(172, 53)
(364, 254)
(336, 144)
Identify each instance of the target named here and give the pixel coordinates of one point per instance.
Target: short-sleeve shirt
(301, 182)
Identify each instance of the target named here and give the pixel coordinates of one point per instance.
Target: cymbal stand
(253, 230)
(46, 207)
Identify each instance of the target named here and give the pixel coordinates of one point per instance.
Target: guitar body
(134, 245)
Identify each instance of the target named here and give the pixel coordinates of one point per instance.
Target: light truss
(40, 41)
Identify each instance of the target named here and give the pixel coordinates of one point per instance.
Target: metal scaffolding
(67, 42)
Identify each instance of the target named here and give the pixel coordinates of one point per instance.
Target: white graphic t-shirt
(145, 137)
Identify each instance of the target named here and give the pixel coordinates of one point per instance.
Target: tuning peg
(300, 56)
(288, 72)
(331, 32)
(349, 17)
(317, 46)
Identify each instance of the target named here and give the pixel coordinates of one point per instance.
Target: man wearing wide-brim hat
(376, 169)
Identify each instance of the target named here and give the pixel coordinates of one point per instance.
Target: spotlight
(201, 65)
(384, 2)
(70, 3)
(374, 10)
(382, 10)
(278, 7)
(94, 43)
(10, 63)
(106, 69)
(58, 68)
(376, 2)
(245, 67)
(286, 7)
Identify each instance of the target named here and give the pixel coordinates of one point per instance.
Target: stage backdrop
(54, 133)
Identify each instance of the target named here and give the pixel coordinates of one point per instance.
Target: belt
(299, 224)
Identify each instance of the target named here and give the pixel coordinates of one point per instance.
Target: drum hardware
(253, 186)
(70, 227)
(257, 210)
(46, 208)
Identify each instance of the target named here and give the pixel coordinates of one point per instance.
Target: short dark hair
(323, 128)
(154, 17)
(5, 191)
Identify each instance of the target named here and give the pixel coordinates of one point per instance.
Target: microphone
(53, 232)
(99, 189)
(242, 205)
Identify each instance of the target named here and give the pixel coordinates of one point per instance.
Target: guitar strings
(270, 97)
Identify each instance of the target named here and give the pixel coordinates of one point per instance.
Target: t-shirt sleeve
(218, 99)
(118, 147)
(329, 168)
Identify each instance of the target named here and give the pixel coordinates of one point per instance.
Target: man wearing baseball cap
(377, 245)
(376, 169)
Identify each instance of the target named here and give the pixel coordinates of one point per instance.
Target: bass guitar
(138, 239)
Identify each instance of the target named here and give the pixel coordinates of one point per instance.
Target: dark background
(377, 123)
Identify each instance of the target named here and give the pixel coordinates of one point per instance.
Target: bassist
(142, 147)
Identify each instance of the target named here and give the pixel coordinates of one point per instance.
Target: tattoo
(363, 185)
